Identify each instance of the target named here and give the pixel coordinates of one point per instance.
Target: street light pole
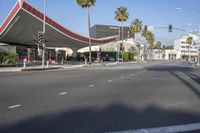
(191, 9)
(44, 30)
(118, 46)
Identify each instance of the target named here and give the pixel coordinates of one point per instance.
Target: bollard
(85, 61)
(47, 64)
(62, 61)
(24, 63)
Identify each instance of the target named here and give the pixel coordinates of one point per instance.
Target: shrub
(127, 56)
(12, 58)
(8, 58)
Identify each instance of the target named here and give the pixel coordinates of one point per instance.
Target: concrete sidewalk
(101, 65)
(10, 69)
(51, 67)
(39, 68)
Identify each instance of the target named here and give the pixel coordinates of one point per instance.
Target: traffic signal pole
(177, 29)
(44, 29)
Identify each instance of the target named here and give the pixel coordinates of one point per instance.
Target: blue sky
(151, 12)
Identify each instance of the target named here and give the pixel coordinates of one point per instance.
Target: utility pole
(44, 30)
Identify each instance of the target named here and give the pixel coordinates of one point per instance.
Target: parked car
(111, 59)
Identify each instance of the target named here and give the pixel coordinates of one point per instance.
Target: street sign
(150, 28)
(142, 45)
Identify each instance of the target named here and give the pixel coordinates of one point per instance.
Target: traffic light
(40, 37)
(121, 47)
(170, 28)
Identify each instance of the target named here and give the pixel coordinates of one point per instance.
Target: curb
(39, 69)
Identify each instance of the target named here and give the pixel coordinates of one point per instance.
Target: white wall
(7, 48)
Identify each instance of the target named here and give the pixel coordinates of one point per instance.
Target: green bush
(12, 58)
(2, 56)
(102, 54)
(8, 57)
(127, 56)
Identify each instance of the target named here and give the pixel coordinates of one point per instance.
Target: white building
(7, 48)
(170, 54)
(182, 47)
(158, 54)
(111, 47)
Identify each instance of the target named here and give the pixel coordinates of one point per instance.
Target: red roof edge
(10, 17)
(57, 26)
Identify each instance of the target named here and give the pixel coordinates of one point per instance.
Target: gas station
(24, 22)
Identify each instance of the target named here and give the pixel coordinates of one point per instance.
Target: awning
(24, 21)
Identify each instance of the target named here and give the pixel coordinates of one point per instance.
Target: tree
(189, 41)
(122, 15)
(164, 47)
(150, 39)
(136, 27)
(158, 45)
(144, 31)
(87, 4)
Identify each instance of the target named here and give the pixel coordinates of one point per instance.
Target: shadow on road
(187, 83)
(187, 71)
(193, 76)
(115, 117)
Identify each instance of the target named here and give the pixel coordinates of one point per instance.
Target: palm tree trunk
(90, 54)
(122, 42)
(138, 51)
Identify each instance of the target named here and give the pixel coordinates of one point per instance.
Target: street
(100, 99)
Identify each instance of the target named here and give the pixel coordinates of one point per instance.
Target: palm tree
(87, 4)
(122, 15)
(158, 45)
(189, 41)
(136, 27)
(150, 39)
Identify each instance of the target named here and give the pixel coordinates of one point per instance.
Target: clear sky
(151, 12)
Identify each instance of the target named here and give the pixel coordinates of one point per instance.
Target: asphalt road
(100, 98)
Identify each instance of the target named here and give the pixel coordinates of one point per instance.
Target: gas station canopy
(24, 22)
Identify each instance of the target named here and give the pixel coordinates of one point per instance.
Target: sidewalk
(52, 67)
(10, 69)
(39, 68)
(74, 66)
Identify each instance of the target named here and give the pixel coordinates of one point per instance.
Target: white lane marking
(63, 93)
(122, 77)
(14, 106)
(131, 75)
(91, 85)
(169, 129)
(109, 80)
